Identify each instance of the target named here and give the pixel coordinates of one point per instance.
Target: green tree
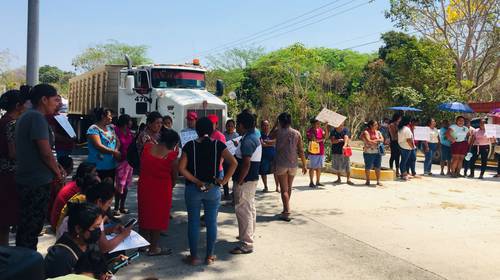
(469, 29)
(57, 77)
(112, 52)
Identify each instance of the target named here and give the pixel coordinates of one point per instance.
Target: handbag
(381, 149)
(313, 147)
(347, 151)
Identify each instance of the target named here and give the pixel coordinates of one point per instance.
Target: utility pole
(32, 43)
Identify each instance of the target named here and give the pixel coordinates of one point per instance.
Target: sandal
(162, 252)
(124, 211)
(338, 181)
(240, 251)
(210, 260)
(351, 183)
(285, 217)
(379, 184)
(190, 260)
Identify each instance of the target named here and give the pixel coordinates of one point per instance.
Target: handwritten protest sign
(422, 133)
(492, 130)
(332, 118)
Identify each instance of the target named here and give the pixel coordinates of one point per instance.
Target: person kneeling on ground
(102, 195)
(84, 231)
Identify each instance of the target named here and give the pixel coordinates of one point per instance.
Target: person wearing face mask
(84, 222)
(101, 195)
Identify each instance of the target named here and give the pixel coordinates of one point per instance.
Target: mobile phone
(122, 263)
(131, 223)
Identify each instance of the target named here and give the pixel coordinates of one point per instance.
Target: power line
(274, 30)
(302, 26)
(274, 26)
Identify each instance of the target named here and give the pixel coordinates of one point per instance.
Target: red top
(67, 192)
(154, 191)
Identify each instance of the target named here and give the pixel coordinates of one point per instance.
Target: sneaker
(319, 185)
(311, 185)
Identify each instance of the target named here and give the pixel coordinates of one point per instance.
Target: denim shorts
(445, 153)
(372, 161)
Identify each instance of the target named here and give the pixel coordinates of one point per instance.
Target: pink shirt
(319, 134)
(217, 135)
(125, 140)
(480, 138)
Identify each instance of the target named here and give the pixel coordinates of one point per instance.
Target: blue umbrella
(402, 108)
(455, 107)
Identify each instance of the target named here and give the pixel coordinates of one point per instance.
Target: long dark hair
(82, 215)
(404, 122)
(10, 99)
(39, 91)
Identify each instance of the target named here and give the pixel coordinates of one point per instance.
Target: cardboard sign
(332, 118)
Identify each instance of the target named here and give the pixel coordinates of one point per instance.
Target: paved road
(430, 228)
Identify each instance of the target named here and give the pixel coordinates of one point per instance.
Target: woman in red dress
(11, 102)
(154, 193)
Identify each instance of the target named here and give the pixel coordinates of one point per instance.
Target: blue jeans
(428, 157)
(412, 160)
(403, 165)
(211, 201)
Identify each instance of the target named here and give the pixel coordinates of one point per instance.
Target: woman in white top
(430, 146)
(406, 145)
(458, 135)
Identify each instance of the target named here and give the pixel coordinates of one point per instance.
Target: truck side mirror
(219, 88)
(129, 84)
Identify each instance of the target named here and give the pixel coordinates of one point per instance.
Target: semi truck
(171, 89)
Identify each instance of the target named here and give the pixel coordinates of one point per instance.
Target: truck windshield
(172, 78)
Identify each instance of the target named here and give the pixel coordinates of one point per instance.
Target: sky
(178, 31)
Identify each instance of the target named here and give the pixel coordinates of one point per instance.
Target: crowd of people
(35, 162)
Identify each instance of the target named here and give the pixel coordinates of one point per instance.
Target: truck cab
(171, 89)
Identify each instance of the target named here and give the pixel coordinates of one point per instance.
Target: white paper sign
(64, 123)
(422, 133)
(230, 145)
(134, 240)
(492, 130)
(330, 117)
(187, 136)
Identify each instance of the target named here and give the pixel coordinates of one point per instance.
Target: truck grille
(203, 113)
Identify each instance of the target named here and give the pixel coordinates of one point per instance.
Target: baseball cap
(192, 116)
(213, 118)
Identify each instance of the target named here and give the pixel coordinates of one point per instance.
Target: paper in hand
(64, 123)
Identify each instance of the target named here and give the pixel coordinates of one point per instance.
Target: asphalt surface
(428, 228)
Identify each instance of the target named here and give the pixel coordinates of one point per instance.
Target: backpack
(133, 157)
